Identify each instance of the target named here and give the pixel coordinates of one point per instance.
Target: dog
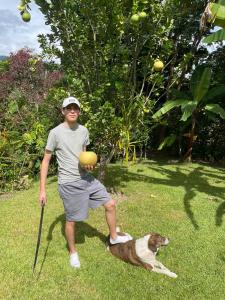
(142, 252)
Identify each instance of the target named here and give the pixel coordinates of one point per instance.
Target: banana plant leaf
(211, 116)
(215, 37)
(214, 93)
(187, 110)
(218, 12)
(168, 106)
(216, 109)
(168, 141)
(200, 82)
(177, 94)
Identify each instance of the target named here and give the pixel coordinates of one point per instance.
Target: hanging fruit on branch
(135, 18)
(23, 7)
(26, 16)
(158, 65)
(142, 14)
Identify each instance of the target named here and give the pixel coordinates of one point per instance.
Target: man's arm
(43, 176)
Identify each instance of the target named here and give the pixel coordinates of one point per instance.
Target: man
(78, 189)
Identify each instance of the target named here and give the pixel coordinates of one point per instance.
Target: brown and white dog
(142, 252)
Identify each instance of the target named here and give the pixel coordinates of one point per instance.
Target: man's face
(71, 113)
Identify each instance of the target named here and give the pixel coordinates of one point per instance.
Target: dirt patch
(119, 196)
(6, 196)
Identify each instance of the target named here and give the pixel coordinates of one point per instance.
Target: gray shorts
(79, 195)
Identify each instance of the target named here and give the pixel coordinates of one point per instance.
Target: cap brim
(70, 104)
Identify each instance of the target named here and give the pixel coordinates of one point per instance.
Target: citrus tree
(200, 99)
(110, 47)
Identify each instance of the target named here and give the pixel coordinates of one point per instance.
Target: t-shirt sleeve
(51, 142)
(87, 141)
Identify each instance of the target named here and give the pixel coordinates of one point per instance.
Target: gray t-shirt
(67, 144)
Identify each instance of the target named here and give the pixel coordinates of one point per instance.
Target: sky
(14, 32)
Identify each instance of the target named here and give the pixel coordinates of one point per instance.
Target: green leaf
(177, 94)
(12, 107)
(216, 109)
(187, 110)
(119, 85)
(168, 106)
(168, 141)
(200, 82)
(211, 116)
(215, 37)
(215, 92)
(218, 10)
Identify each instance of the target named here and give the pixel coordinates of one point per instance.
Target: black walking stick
(39, 236)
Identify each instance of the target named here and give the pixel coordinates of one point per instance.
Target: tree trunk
(162, 133)
(192, 137)
(104, 160)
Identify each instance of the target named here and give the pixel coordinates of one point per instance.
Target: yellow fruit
(88, 158)
(26, 16)
(135, 18)
(158, 65)
(142, 15)
(21, 7)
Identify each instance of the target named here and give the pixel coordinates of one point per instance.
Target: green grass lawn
(185, 202)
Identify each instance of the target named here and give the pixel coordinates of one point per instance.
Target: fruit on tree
(142, 14)
(158, 65)
(21, 7)
(26, 16)
(135, 18)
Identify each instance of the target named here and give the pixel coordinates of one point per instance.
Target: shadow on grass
(82, 229)
(192, 179)
(219, 214)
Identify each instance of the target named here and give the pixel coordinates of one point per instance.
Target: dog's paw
(172, 275)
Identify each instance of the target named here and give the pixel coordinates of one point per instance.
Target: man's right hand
(88, 167)
(42, 198)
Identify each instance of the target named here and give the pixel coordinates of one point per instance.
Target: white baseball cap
(70, 100)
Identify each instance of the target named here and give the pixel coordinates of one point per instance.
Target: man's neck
(69, 124)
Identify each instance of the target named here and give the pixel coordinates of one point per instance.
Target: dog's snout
(166, 241)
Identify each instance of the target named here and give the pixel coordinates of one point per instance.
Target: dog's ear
(152, 242)
(152, 247)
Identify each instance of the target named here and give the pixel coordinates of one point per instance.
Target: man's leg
(70, 236)
(110, 213)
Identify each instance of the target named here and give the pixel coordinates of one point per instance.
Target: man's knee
(70, 224)
(110, 205)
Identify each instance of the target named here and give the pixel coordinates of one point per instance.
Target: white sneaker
(121, 239)
(74, 260)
